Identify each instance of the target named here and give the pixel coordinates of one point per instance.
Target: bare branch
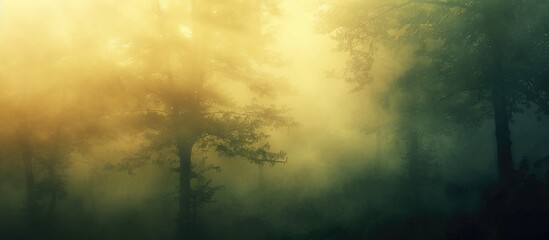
(451, 94)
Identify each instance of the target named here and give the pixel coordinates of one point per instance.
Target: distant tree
(42, 136)
(413, 127)
(48, 111)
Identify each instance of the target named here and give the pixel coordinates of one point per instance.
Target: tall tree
(482, 66)
(192, 76)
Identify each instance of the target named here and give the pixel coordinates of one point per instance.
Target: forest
(274, 119)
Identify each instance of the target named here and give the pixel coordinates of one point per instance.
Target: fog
(305, 119)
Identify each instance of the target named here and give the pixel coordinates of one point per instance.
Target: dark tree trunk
(261, 177)
(503, 138)
(413, 155)
(184, 148)
(30, 186)
(261, 187)
(32, 208)
(379, 138)
(495, 17)
(52, 205)
(54, 188)
(413, 183)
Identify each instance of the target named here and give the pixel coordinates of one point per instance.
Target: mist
(306, 119)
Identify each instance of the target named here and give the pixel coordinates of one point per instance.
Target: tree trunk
(503, 138)
(379, 139)
(31, 203)
(30, 186)
(184, 148)
(494, 26)
(52, 205)
(413, 154)
(261, 177)
(412, 167)
(261, 187)
(54, 188)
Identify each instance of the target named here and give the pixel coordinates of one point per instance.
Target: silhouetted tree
(185, 81)
(474, 47)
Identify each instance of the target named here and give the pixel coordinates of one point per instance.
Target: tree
(185, 79)
(41, 134)
(472, 47)
(50, 106)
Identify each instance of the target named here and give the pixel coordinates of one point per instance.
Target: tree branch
(393, 7)
(451, 94)
(442, 3)
(428, 2)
